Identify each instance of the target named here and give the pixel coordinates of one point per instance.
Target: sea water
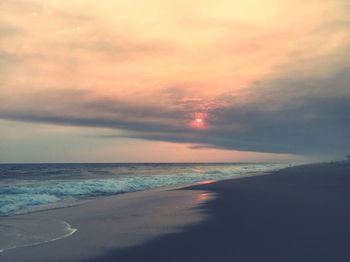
(26, 188)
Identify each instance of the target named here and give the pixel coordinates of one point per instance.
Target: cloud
(8, 30)
(262, 83)
(286, 116)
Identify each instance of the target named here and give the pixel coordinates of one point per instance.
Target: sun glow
(198, 120)
(205, 182)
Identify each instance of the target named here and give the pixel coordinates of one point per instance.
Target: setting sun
(198, 120)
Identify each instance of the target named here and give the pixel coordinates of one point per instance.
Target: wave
(20, 198)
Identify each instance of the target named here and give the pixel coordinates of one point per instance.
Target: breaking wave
(22, 198)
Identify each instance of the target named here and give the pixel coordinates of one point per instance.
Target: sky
(174, 81)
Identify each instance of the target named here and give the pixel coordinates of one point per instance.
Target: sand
(297, 214)
(106, 224)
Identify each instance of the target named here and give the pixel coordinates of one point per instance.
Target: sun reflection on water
(205, 182)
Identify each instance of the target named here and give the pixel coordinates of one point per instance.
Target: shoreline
(78, 202)
(25, 195)
(191, 213)
(107, 223)
(261, 211)
(299, 213)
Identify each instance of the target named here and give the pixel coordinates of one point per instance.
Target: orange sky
(159, 63)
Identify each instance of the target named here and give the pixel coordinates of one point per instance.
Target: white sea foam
(18, 232)
(15, 198)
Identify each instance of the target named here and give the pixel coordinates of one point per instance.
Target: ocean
(31, 187)
(28, 188)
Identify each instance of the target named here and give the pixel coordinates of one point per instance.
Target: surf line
(69, 228)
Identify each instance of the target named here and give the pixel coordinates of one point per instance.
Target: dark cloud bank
(305, 115)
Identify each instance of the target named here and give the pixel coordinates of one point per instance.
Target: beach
(174, 131)
(101, 225)
(299, 213)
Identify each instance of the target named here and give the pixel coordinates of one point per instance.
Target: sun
(198, 120)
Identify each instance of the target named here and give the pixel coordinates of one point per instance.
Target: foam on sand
(21, 232)
(108, 223)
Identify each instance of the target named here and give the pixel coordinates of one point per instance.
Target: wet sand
(297, 214)
(103, 224)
